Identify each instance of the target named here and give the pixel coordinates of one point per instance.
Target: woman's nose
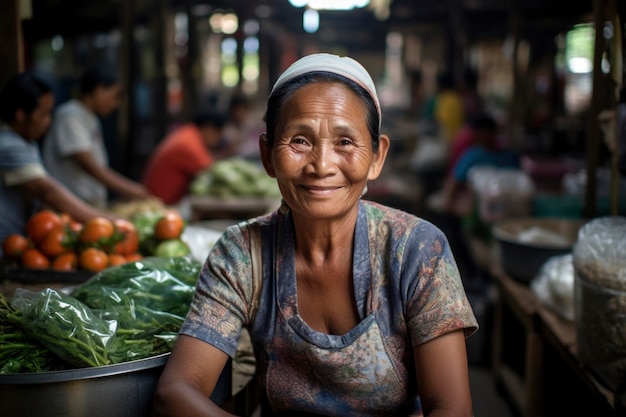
(323, 161)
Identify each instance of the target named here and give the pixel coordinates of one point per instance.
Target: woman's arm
(443, 376)
(189, 379)
(110, 178)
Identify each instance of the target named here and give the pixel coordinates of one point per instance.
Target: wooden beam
(11, 47)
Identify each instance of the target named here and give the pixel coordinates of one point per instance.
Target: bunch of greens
(123, 313)
(234, 177)
(67, 327)
(148, 299)
(144, 222)
(18, 351)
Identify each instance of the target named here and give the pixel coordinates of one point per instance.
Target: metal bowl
(521, 258)
(124, 389)
(120, 390)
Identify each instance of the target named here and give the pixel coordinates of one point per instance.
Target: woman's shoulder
(388, 219)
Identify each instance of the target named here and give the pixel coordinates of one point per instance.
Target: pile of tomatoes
(59, 242)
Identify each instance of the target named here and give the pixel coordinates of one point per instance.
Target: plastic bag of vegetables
(149, 300)
(66, 327)
(20, 352)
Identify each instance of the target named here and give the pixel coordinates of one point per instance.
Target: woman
(74, 152)
(26, 104)
(359, 304)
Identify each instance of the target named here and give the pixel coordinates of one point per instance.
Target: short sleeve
(437, 303)
(463, 165)
(223, 295)
(71, 135)
(24, 174)
(20, 161)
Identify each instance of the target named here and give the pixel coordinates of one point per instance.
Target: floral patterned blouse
(408, 291)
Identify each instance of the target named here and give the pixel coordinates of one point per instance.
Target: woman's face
(322, 156)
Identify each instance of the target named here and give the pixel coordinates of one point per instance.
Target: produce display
(56, 241)
(123, 313)
(234, 177)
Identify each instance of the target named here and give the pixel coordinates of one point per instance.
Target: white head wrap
(344, 66)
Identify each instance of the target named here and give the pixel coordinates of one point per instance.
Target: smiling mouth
(320, 190)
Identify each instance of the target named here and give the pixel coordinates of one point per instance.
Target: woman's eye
(300, 141)
(346, 142)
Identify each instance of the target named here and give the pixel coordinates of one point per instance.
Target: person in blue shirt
(26, 104)
(485, 151)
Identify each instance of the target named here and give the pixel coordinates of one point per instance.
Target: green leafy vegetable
(235, 177)
(66, 326)
(18, 351)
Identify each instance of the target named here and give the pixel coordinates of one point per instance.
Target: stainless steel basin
(121, 390)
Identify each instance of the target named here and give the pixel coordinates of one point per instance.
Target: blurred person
(26, 105)
(74, 151)
(485, 151)
(354, 308)
(480, 122)
(472, 101)
(449, 108)
(242, 129)
(183, 153)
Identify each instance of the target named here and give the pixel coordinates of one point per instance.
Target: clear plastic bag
(600, 252)
(149, 300)
(599, 257)
(502, 192)
(554, 285)
(66, 327)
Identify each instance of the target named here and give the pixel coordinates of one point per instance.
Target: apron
(309, 373)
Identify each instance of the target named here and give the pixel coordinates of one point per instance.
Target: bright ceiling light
(310, 21)
(330, 4)
(298, 3)
(230, 23)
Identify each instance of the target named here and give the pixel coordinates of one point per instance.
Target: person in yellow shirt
(449, 113)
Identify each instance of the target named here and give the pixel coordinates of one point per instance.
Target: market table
(535, 358)
(210, 207)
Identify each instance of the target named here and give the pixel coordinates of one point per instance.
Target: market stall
(537, 358)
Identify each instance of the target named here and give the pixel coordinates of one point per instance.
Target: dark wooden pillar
(594, 137)
(517, 106)
(127, 122)
(191, 70)
(11, 47)
(160, 29)
(456, 40)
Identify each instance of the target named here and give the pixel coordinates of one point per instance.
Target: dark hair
(445, 81)
(278, 98)
(483, 121)
(209, 118)
(97, 75)
(23, 91)
(237, 100)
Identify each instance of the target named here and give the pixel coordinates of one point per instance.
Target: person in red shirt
(181, 156)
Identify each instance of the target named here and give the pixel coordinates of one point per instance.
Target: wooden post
(518, 98)
(161, 31)
(594, 134)
(11, 47)
(616, 84)
(127, 123)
